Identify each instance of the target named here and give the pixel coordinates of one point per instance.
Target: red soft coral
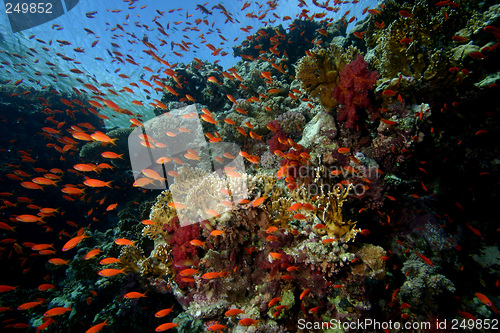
(352, 92)
(273, 142)
(182, 249)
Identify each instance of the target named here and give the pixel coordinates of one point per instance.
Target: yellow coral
(410, 58)
(161, 214)
(371, 263)
(159, 262)
(279, 211)
(319, 71)
(131, 258)
(330, 213)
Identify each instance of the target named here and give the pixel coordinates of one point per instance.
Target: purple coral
(352, 92)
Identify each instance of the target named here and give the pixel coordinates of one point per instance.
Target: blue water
(137, 22)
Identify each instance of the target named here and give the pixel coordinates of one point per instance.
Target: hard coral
(330, 213)
(352, 91)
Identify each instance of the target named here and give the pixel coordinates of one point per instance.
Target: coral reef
(324, 176)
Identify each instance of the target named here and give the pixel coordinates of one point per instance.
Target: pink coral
(352, 92)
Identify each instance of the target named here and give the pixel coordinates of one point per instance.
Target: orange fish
(247, 322)
(166, 326)
(45, 287)
(164, 312)
(74, 242)
(176, 205)
(5, 288)
(304, 293)
(259, 201)
(97, 183)
(388, 93)
(233, 312)
(97, 328)
(242, 131)
(208, 119)
(270, 230)
(486, 301)
(274, 301)
(111, 272)
(85, 167)
(189, 272)
(343, 150)
(217, 327)
(254, 135)
(425, 259)
(28, 305)
(124, 242)
(388, 122)
(272, 238)
(212, 212)
(295, 206)
(266, 75)
(275, 255)
(231, 98)
(109, 261)
(110, 154)
(217, 232)
(56, 311)
(211, 275)
(92, 253)
(134, 294)
(404, 13)
(28, 218)
(314, 310)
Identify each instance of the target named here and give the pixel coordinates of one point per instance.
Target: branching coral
(330, 213)
(319, 71)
